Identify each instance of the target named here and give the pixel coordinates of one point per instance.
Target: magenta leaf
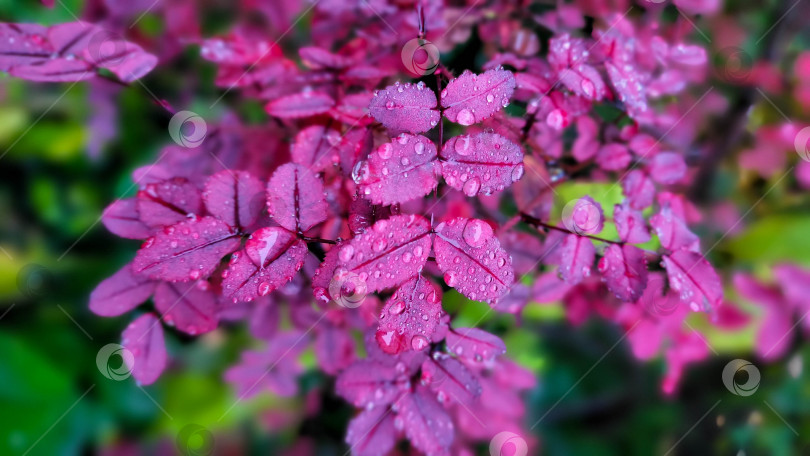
(613, 157)
(405, 107)
(120, 293)
(472, 98)
(144, 339)
(627, 82)
(324, 275)
(569, 57)
(427, 425)
(334, 349)
(190, 307)
(235, 197)
(630, 224)
(472, 259)
(451, 379)
(576, 258)
(667, 168)
(639, 189)
(69, 52)
(366, 383)
(410, 317)
(295, 198)
(481, 164)
(694, 279)
(389, 253)
(372, 432)
(316, 147)
(122, 219)
(474, 345)
(400, 171)
(187, 251)
(168, 202)
(264, 319)
(299, 105)
(271, 258)
(625, 271)
(275, 368)
(673, 232)
(318, 58)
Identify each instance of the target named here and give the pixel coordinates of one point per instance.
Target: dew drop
(419, 342)
(471, 187)
(465, 117)
(385, 151)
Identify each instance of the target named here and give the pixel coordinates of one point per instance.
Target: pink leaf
(472, 259)
(316, 147)
(295, 198)
(410, 317)
(639, 189)
(120, 293)
(367, 382)
(549, 288)
(471, 98)
(576, 258)
(23, 44)
(58, 70)
(372, 432)
(400, 171)
(168, 202)
(334, 349)
(630, 224)
(627, 82)
(673, 232)
(126, 60)
(235, 197)
(317, 58)
(70, 52)
(775, 333)
(451, 379)
(569, 57)
(405, 107)
(426, 423)
(613, 157)
(122, 219)
(187, 251)
(144, 339)
(481, 164)
(625, 271)
(275, 368)
(667, 168)
(187, 306)
(475, 345)
(694, 278)
(587, 143)
(389, 253)
(323, 277)
(299, 105)
(271, 258)
(264, 319)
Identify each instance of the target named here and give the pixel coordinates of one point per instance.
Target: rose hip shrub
(382, 177)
